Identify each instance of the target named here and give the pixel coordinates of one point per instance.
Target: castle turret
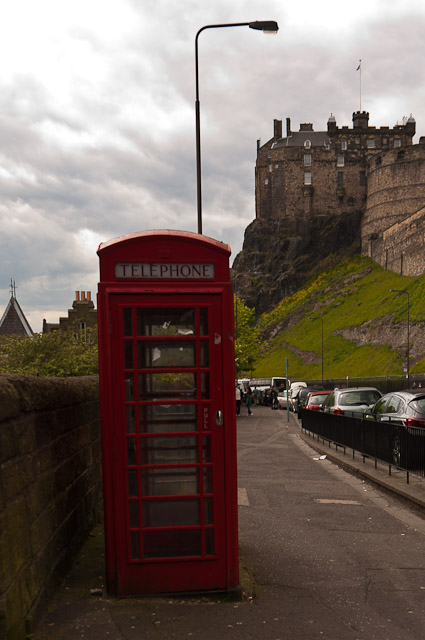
(360, 120)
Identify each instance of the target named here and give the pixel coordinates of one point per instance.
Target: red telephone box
(166, 362)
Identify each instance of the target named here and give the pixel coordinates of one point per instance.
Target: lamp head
(267, 26)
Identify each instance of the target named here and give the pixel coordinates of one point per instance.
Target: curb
(395, 484)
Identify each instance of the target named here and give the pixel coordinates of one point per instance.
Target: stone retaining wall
(50, 489)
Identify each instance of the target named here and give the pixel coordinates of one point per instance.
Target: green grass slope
(364, 325)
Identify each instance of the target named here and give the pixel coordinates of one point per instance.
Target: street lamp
(321, 320)
(268, 26)
(401, 291)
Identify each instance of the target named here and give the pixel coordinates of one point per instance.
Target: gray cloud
(107, 145)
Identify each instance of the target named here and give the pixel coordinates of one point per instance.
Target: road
(333, 556)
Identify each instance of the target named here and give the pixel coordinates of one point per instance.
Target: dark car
(316, 399)
(405, 409)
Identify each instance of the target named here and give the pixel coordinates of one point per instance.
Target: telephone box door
(168, 439)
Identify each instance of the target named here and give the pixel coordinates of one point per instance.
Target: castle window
(371, 143)
(340, 178)
(307, 177)
(307, 159)
(307, 144)
(397, 142)
(344, 145)
(266, 181)
(270, 168)
(400, 155)
(378, 161)
(340, 161)
(362, 177)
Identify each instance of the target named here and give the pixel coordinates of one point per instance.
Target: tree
(57, 354)
(247, 345)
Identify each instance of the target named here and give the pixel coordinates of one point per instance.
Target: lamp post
(401, 291)
(321, 320)
(269, 26)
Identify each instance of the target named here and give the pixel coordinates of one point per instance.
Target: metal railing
(389, 442)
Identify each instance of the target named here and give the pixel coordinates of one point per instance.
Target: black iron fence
(395, 444)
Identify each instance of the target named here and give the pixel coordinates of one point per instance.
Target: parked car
(293, 394)
(316, 399)
(302, 397)
(400, 407)
(406, 409)
(282, 399)
(351, 402)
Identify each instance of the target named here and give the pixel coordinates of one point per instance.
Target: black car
(405, 409)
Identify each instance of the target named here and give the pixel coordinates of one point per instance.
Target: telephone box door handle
(219, 418)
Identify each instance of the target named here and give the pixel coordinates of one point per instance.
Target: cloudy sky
(97, 123)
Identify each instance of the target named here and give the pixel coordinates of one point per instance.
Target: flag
(360, 64)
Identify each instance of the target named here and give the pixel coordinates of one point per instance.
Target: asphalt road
(333, 556)
(324, 555)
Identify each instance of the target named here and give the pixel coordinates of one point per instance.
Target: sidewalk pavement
(407, 487)
(81, 609)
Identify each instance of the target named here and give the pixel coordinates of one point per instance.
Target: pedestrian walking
(238, 401)
(248, 400)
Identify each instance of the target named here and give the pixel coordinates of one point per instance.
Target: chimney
(306, 126)
(288, 127)
(88, 296)
(277, 126)
(77, 296)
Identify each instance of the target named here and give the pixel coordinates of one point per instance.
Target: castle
(344, 171)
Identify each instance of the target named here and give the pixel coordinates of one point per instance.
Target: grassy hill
(364, 325)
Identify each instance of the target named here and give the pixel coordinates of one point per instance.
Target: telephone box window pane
(131, 451)
(171, 450)
(167, 386)
(205, 354)
(170, 482)
(209, 542)
(204, 321)
(129, 386)
(128, 355)
(206, 447)
(166, 354)
(135, 546)
(131, 426)
(172, 544)
(132, 483)
(208, 511)
(205, 385)
(161, 418)
(128, 321)
(207, 480)
(134, 514)
(165, 322)
(171, 513)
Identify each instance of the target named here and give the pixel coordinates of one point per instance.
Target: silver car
(351, 402)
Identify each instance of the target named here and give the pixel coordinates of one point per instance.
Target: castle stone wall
(392, 230)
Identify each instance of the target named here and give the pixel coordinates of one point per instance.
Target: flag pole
(359, 68)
